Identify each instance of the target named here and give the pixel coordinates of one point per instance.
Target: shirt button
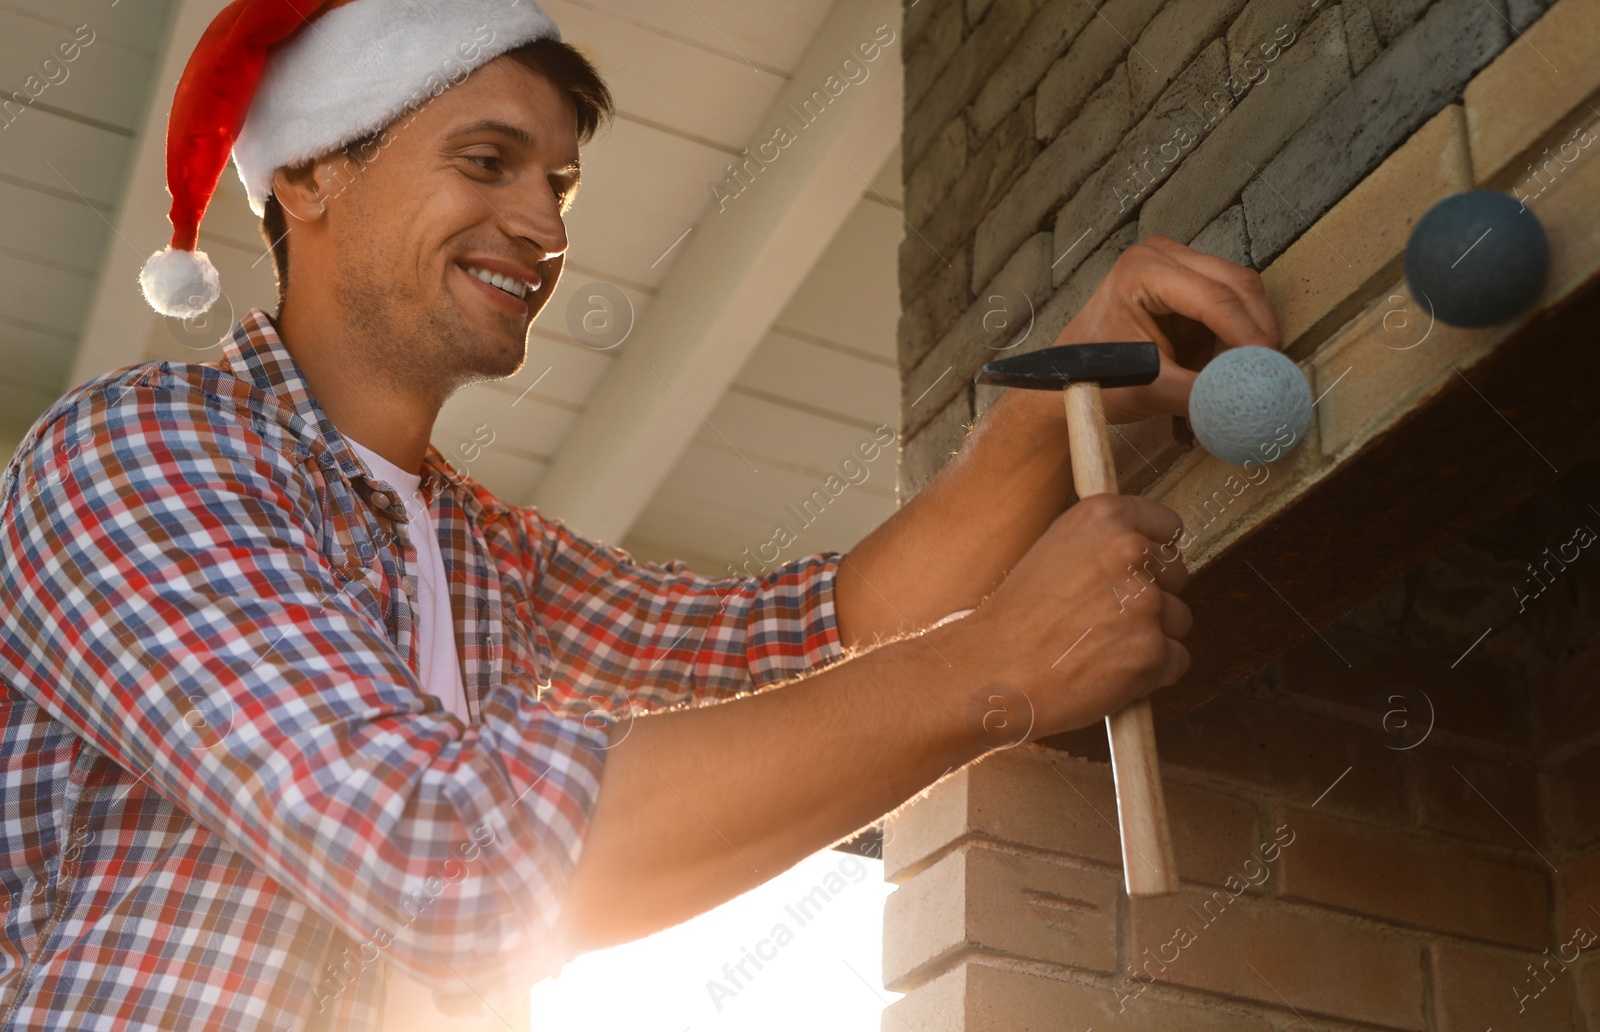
(382, 499)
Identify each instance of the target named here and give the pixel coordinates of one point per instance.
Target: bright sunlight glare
(810, 942)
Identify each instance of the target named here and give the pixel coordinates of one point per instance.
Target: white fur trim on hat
(358, 67)
(180, 283)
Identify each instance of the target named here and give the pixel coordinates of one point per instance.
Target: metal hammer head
(1117, 364)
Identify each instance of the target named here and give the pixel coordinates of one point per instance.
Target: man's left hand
(1191, 305)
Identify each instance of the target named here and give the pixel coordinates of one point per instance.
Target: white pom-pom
(181, 284)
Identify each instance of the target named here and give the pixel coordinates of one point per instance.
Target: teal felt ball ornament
(1250, 404)
(1478, 258)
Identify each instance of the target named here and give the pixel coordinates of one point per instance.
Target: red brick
(1289, 754)
(1577, 886)
(1317, 962)
(977, 898)
(1043, 799)
(1574, 802)
(1564, 709)
(1491, 801)
(976, 997)
(1588, 981)
(1474, 701)
(1412, 881)
(1217, 839)
(1476, 988)
(1460, 593)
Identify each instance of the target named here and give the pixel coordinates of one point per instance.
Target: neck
(362, 398)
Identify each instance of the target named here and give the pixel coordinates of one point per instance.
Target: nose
(533, 214)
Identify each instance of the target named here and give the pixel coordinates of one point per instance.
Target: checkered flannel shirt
(228, 802)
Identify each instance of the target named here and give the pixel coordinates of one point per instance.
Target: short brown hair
(559, 62)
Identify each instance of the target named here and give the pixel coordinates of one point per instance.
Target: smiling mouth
(514, 287)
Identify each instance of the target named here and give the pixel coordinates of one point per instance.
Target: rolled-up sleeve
(660, 635)
(166, 599)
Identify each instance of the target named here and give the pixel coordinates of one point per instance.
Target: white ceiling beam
(739, 268)
(117, 331)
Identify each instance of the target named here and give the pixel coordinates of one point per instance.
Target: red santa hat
(278, 82)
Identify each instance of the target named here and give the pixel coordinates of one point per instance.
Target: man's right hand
(702, 803)
(1089, 620)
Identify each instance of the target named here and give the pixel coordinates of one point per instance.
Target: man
(304, 730)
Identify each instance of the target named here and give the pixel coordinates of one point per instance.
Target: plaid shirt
(228, 802)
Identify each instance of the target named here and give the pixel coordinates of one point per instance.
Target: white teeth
(516, 288)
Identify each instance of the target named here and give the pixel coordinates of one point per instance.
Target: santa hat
(278, 82)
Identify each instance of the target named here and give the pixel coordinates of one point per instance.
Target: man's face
(474, 185)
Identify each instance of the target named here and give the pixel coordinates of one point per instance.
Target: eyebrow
(492, 125)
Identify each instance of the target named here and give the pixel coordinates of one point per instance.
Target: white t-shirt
(438, 665)
(408, 1004)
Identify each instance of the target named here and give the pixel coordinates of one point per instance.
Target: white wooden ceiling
(62, 162)
(693, 82)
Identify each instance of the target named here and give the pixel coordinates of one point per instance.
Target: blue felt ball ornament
(1250, 403)
(1477, 258)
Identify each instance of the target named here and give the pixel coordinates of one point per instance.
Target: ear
(305, 190)
(297, 191)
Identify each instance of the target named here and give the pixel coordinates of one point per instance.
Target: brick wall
(1382, 829)
(1043, 137)
(1338, 872)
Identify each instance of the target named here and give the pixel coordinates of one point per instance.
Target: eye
(487, 162)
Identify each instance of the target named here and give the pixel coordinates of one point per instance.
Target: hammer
(1080, 371)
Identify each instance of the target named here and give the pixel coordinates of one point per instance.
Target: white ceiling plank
(823, 378)
(45, 225)
(67, 158)
(229, 217)
(52, 297)
(758, 428)
(136, 24)
(32, 358)
(557, 372)
(87, 72)
(720, 479)
(736, 273)
(247, 276)
(666, 81)
(714, 526)
(703, 528)
(769, 35)
(719, 476)
(842, 298)
(117, 330)
(586, 304)
(889, 187)
(478, 414)
(20, 408)
(642, 187)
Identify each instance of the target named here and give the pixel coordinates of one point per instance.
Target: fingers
(1176, 619)
(1175, 665)
(1169, 392)
(1242, 279)
(1226, 297)
(1159, 563)
(1158, 522)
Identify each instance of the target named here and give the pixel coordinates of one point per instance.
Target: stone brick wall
(1338, 872)
(1383, 829)
(1043, 137)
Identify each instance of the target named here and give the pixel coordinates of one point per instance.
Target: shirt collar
(255, 353)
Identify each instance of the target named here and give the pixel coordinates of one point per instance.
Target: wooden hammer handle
(1148, 866)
